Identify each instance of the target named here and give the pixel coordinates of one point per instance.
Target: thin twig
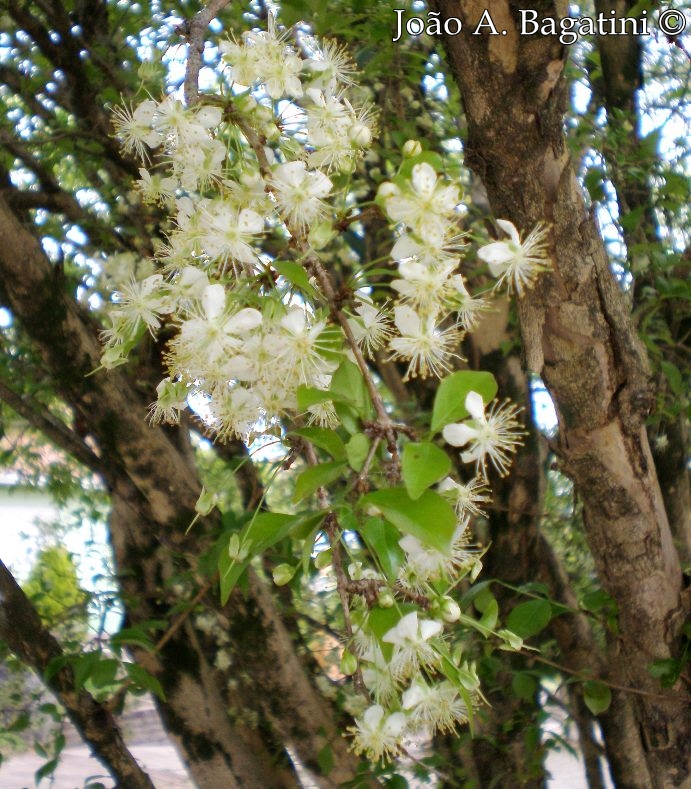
(195, 30)
(613, 685)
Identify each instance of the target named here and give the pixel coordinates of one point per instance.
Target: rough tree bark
(154, 489)
(630, 168)
(578, 337)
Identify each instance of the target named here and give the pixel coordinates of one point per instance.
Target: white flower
(517, 263)
(371, 327)
(425, 565)
(427, 348)
(300, 348)
(377, 734)
(438, 707)
(426, 206)
(134, 128)
(171, 400)
(330, 66)
(299, 194)
(228, 234)
(467, 499)
(411, 648)
(139, 300)
(423, 287)
(495, 435)
(155, 187)
(377, 677)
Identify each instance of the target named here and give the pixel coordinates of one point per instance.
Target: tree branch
(55, 430)
(21, 628)
(196, 29)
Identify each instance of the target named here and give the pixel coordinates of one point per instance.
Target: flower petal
(475, 406)
(458, 435)
(510, 229)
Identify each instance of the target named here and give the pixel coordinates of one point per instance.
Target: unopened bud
(384, 598)
(236, 551)
(450, 610)
(206, 502)
(360, 135)
(387, 190)
(412, 148)
(349, 663)
(283, 574)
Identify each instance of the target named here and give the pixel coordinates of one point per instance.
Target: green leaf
(449, 402)
(422, 465)
(528, 619)
(143, 679)
(325, 439)
(295, 274)
(429, 518)
(132, 635)
(382, 540)
(598, 600)
(314, 477)
(524, 685)
(261, 532)
(356, 451)
(490, 616)
(103, 673)
(348, 386)
(46, 769)
(307, 396)
(83, 665)
(673, 376)
(666, 670)
(597, 696)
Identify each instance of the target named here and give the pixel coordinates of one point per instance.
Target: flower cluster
(402, 671)
(251, 184)
(245, 338)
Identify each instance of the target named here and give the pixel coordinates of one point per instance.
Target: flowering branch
(262, 338)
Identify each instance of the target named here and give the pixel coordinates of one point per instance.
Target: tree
(235, 689)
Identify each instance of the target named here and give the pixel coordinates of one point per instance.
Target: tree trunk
(154, 489)
(578, 337)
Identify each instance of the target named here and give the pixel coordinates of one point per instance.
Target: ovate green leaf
(422, 465)
(528, 619)
(597, 696)
(429, 518)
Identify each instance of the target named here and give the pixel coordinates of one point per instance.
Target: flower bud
(450, 610)
(360, 135)
(349, 663)
(412, 148)
(387, 190)
(283, 574)
(384, 598)
(236, 551)
(206, 502)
